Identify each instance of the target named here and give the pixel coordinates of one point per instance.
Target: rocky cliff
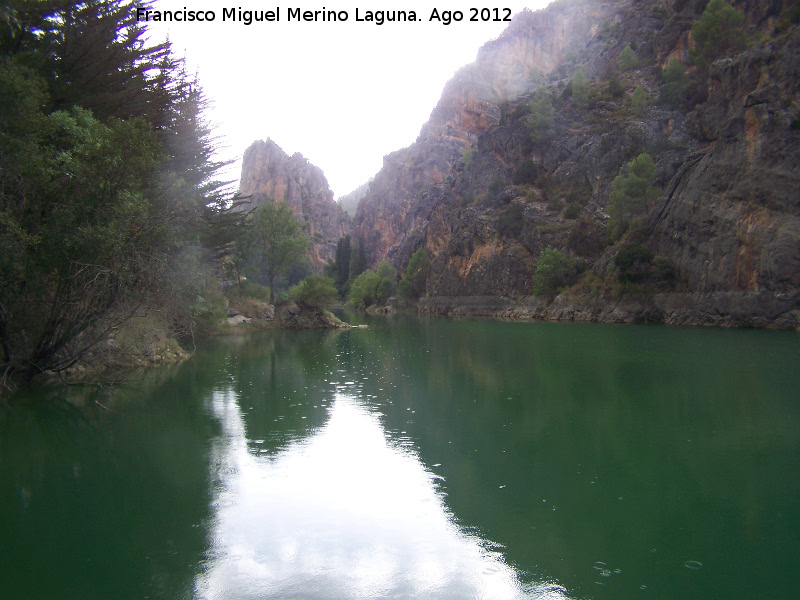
(520, 155)
(270, 175)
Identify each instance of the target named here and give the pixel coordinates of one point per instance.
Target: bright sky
(343, 94)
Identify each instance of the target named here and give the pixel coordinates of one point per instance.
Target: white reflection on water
(341, 514)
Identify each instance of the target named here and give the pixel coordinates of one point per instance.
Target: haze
(344, 94)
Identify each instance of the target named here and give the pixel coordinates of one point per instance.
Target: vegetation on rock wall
(657, 153)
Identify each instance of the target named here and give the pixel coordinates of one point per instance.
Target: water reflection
(343, 513)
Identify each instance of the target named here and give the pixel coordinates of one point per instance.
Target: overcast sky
(343, 94)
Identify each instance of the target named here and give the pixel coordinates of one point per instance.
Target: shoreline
(762, 310)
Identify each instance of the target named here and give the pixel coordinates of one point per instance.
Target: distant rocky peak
(533, 45)
(271, 175)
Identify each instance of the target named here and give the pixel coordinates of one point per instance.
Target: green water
(417, 459)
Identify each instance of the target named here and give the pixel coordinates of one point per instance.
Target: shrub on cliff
(718, 33)
(639, 101)
(631, 194)
(540, 120)
(554, 270)
(627, 59)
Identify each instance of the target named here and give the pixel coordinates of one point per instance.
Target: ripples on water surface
(418, 459)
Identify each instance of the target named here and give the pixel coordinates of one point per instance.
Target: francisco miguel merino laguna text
(378, 17)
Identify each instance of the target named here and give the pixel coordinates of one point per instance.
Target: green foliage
(636, 264)
(627, 59)
(580, 89)
(412, 285)
(373, 287)
(675, 91)
(540, 120)
(107, 197)
(364, 289)
(631, 194)
(466, 156)
(640, 100)
(497, 186)
(276, 241)
(521, 110)
(386, 271)
(249, 289)
(554, 270)
(315, 291)
(547, 184)
(717, 33)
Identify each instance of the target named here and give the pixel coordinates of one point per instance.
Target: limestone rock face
(506, 68)
(731, 215)
(270, 175)
(724, 231)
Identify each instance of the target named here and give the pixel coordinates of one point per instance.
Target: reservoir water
(417, 459)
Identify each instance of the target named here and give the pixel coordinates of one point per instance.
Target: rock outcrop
(271, 175)
(300, 316)
(485, 194)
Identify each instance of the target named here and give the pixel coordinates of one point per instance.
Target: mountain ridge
(718, 245)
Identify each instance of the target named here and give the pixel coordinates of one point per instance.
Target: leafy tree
(627, 59)
(276, 241)
(717, 33)
(631, 194)
(554, 270)
(373, 287)
(315, 291)
(412, 285)
(364, 289)
(75, 233)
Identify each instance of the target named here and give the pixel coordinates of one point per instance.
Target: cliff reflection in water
(342, 513)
